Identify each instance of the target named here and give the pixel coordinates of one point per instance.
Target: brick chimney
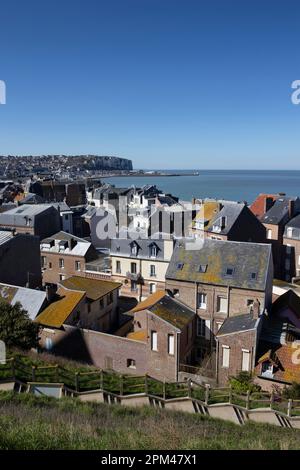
(256, 308)
(50, 292)
(291, 208)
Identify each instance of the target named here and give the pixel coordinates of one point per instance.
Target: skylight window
(229, 272)
(253, 276)
(180, 266)
(202, 268)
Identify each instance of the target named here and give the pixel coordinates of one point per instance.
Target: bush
(16, 328)
(243, 382)
(293, 391)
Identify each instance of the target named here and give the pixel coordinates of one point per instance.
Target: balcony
(137, 277)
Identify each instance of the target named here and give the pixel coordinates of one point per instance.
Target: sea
(233, 185)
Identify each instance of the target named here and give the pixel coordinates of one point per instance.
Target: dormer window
(153, 250)
(202, 268)
(134, 249)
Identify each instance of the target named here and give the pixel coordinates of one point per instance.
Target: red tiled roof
(259, 205)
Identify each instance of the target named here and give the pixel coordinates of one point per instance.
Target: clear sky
(167, 83)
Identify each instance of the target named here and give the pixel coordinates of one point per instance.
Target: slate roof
(173, 312)
(238, 324)
(293, 224)
(5, 236)
(23, 215)
(80, 246)
(279, 212)
(31, 300)
(231, 211)
(122, 247)
(94, 288)
(217, 257)
(60, 309)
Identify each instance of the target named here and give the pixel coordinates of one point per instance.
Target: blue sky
(167, 83)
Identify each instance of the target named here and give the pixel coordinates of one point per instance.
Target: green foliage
(243, 382)
(293, 391)
(16, 328)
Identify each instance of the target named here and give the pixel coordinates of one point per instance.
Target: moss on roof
(151, 300)
(94, 288)
(58, 311)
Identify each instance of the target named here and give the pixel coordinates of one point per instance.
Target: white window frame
(202, 297)
(220, 298)
(246, 353)
(152, 270)
(225, 356)
(171, 345)
(154, 342)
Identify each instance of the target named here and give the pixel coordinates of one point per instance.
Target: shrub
(243, 382)
(293, 391)
(16, 328)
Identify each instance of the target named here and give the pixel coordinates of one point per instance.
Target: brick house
(291, 247)
(41, 220)
(20, 262)
(140, 265)
(86, 303)
(275, 220)
(161, 337)
(64, 255)
(237, 342)
(228, 220)
(219, 279)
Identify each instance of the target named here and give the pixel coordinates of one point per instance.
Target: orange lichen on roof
(140, 335)
(149, 302)
(58, 311)
(208, 211)
(94, 288)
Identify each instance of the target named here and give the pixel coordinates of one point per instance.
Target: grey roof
(238, 324)
(23, 215)
(172, 311)
(230, 211)
(32, 198)
(30, 299)
(279, 212)
(294, 226)
(122, 247)
(250, 263)
(5, 236)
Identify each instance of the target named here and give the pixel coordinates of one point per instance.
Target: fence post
(101, 379)
(121, 384)
(230, 394)
(207, 393)
(189, 388)
(77, 381)
(271, 399)
(33, 375)
(13, 368)
(56, 373)
(164, 389)
(248, 400)
(146, 384)
(290, 407)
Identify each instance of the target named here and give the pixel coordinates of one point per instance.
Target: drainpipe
(178, 356)
(228, 300)
(217, 362)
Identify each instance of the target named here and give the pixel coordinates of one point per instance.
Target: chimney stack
(256, 308)
(291, 208)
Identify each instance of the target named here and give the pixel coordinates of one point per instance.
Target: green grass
(28, 422)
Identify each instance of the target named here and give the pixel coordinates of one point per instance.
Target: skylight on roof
(253, 276)
(180, 266)
(229, 272)
(202, 268)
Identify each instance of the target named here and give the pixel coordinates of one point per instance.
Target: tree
(16, 328)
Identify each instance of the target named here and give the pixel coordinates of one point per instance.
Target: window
(153, 251)
(202, 268)
(267, 369)
(245, 360)
(180, 266)
(61, 263)
(133, 286)
(154, 341)
(250, 302)
(222, 304)
(269, 234)
(171, 345)
(109, 298)
(118, 267)
(133, 268)
(77, 265)
(200, 327)
(202, 300)
(176, 292)
(290, 232)
(225, 356)
(152, 270)
(50, 265)
(44, 261)
(253, 276)
(62, 277)
(101, 303)
(131, 363)
(152, 287)
(134, 249)
(299, 261)
(288, 249)
(229, 272)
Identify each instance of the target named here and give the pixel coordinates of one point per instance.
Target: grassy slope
(27, 422)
